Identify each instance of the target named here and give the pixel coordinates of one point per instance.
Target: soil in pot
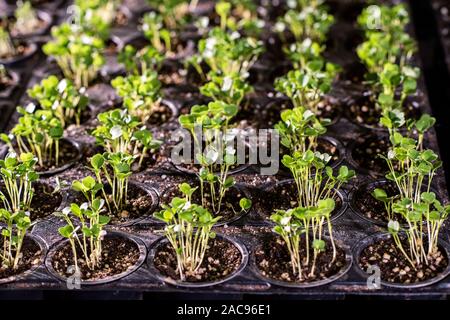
(162, 114)
(366, 150)
(284, 196)
(222, 258)
(31, 256)
(394, 266)
(22, 49)
(118, 255)
(230, 202)
(274, 261)
(44, 203)
(67, 154)
(40, 27)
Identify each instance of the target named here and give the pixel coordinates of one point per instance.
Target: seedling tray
(349, 228)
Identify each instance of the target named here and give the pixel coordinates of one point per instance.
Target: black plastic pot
(136, 240)
(68, 165)
(157, 274)
(337, 276)
(43, 247)
(8, 91)
(340, 193)
(357, 250)
(43, 16)
(11, 62)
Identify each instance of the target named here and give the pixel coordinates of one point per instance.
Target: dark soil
(67, 154)
(274, 261)
(284, 197)
(394, 266)
(6, 82)
(22, 49)
(31, 256)
(230, 202)
(118, 255)
(222, 258)
(372, 208)
(161, 115)
(366, 151)
(45, 202)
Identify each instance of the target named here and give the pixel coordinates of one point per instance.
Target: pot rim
(167, 280)
(135, 239)
(15, 79)
(341, 193)
(343, 271)
(370, 239)
(44, 249)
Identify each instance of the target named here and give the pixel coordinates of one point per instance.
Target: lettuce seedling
(38, 132)
(188, 229)
(96, 17)
(79, 55)
(27, 20)
(140, 61)
(384, 18)
(16, 225)
(7, 48)
(159, 37)
(61, 97)
(87, 235)
(141, 93)
(230, 89)
(240, 16)
(18, 175)
(219, 154)
(174, 13)
(293, 223)
(301, 53)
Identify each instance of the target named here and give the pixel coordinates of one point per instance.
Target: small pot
(43, 247)
(13, 61)
(68, 165)
(8, 91)
(136, 240)
(371, 185)
(341, 194)
(340, 274)
(158, 275)
(43, 16)
(364, 243)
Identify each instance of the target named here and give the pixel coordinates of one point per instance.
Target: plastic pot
(335, 277)
(136, 240)
(369, 240)
(68, 165)
(43, 247)
(13, 61)
(9, 90)
(175, 282)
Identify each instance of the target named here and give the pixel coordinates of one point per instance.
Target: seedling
(239, 16)
(154, 31)
(188, 230)
(84, 230)
(293, 223)
(13, 233)
(229, 89)
(27, 20)
(80, 56)
(300, 53)
(141, 94)
(214, 122)
(38, 132)
(18, 175)
(7, 48)
(61, 97)
(140, 61)
(96, 17)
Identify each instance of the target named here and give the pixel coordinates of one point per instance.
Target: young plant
(188, 230)
(7, 48)
(293, 223)
(301, 53)
(308, 86)
(61, 97)
(240, 16)
(227, 53)
(141, 94)
(38, 132)
(219, 153)
(88, 235)
(140, 61)
(229, 89)
(174, 13)
(80, 56)
(96, 17)
(144, 143)
(159, 37)
(18, 175)
(16, 225)
(27, 20)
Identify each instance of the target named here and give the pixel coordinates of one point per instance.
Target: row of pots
(247, 261)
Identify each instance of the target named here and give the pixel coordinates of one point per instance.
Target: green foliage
(61, 97)
(230, 89)
(27, 20)
(140, 61)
